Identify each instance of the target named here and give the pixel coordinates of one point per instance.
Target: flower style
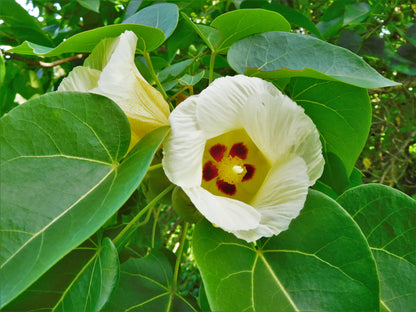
(110, 71)
(245, 154)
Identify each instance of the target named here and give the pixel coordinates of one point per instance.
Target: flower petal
(220, 105)
(120, 80)
(280, 128)
(226, 213)
(183, 149)
(81, 79)
(279, 199)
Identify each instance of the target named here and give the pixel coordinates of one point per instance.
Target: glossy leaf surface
(149, 38)
(338, 111)
(281, 55)
(387, 218)
(313, 266)
(163, 16)
(60, 162)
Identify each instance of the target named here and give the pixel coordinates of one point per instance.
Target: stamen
(238, 169)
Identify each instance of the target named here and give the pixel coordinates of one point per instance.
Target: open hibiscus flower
(245, 154)
(110, 71)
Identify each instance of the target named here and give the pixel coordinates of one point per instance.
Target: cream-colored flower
(110, 71)
(245, 154)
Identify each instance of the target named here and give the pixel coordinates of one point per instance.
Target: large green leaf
(61, 179)
(238, 24)
(387, 218)
(282, 55)
(82, 281)
(163, 16)
(321, 263)
(20, 24)
(149, 39)
(339, 111)
(146, 285)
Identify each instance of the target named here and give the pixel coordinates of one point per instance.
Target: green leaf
(62, 179)
(2, 69)
(321, 263)
(295, 17)
(281, 55)
(338, 111)
(85, 282)
(92, 5)
(174, 70)
(163, 16)
(190, 80)
(387, 218)
(149, 39)
(356, 12)
(146, 285)
(22, 25)
(235, 25)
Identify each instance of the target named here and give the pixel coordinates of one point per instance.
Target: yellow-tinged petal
(81, 79)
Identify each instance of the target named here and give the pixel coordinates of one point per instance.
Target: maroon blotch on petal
(250, 172)
(209, 171)
(217, 151)
(239, 150)
(226, 188)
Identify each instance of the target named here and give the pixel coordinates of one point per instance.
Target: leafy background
(190, 36)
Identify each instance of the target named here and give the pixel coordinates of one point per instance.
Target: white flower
(245, 154)
(110, 71)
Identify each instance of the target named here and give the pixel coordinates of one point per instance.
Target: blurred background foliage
(382, 32)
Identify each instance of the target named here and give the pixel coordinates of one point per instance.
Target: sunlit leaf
(149, 38)
(281, 55)
(387, 218)
(190, 80)
(61, 174)
(321, 263)
(238, 24)
(92, 5)
(356, 12)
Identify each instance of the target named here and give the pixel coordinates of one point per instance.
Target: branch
(45, 64)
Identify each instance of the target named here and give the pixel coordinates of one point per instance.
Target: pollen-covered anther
(231, 170)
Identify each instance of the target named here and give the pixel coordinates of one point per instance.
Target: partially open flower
(110, 71)
(245, 154)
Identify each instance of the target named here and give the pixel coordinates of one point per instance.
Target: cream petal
(229, 214)
(81, 79)
(280, 128)
(280, 199)
(120, 80)
(183, 149)
(220, 105)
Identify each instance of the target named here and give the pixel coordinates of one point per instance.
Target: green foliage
(87, 225)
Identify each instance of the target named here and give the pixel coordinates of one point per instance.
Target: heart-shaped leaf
(282, 55)
(163, 16)
(146, 285)
(387, 218)
(149, 38)
(321, 263)
(86, 281)
(61, 173)
(338, 111)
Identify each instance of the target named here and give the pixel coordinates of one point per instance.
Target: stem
(154, 167)
(152, 71)
(211, 66)
(154, 225)
(121, 239)
(179, 256)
